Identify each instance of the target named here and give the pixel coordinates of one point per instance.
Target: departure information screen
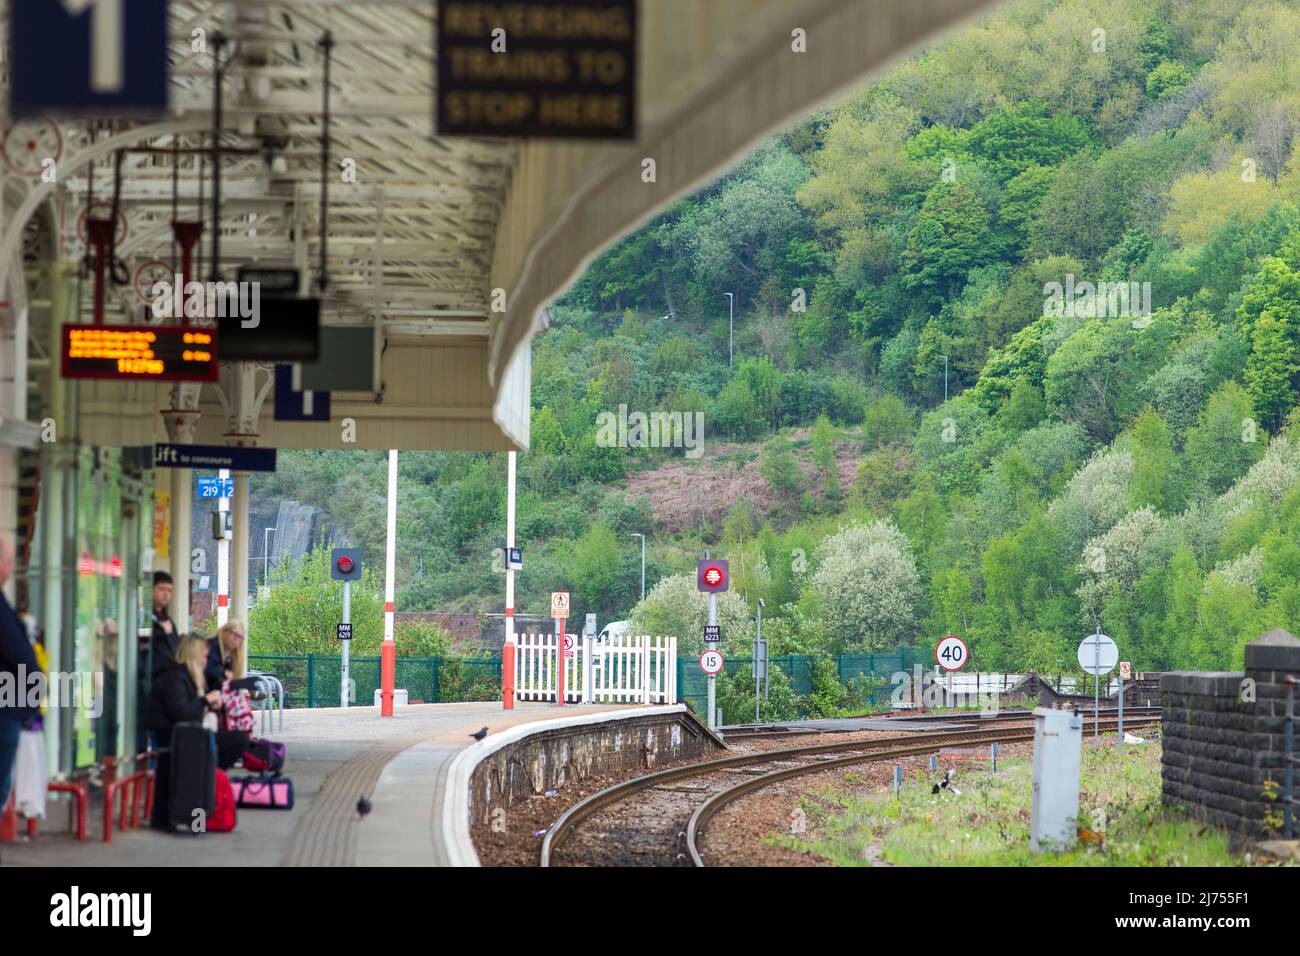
(160, 353)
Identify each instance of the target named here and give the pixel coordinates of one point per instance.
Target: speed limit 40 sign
(711, 662)
(952, 653)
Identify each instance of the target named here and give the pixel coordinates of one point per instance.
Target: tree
(1270, 369)
(779, 467)
(300, 613)
(1224, 443)
(1167, 77)
(888, 421)
(595, 569)
(1016, 138)
(1096, 496)
(1021, 200)
(1153, 464)
(1182, 589)
(823, 455)
(1095, 376)
(951, 236)
(883, 477)
(868, 586)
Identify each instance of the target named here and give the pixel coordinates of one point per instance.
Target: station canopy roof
(431, 225)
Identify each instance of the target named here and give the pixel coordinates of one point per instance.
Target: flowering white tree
(868, 586)
(1110, 561)
(1269, 480)
(1094, 499)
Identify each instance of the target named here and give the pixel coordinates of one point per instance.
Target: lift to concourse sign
(537, 68)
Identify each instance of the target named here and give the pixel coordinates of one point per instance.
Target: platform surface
(334, 756)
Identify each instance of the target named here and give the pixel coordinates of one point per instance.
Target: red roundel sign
(952, 653)
(345, 564)
(711, 661)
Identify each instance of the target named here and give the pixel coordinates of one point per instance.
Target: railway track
(657, 819)
(759, 731)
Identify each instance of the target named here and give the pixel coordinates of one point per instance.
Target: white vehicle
(614, 629)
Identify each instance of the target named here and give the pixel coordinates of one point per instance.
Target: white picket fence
(627, 669)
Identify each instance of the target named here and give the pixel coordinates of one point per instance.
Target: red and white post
(508, 648)
(388, 655)
(559, 664)
(223, 556)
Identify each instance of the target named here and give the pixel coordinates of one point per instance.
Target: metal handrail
(273, 687)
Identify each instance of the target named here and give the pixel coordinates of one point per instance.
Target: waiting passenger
(225, 655)
(17, 662)
(175, 699)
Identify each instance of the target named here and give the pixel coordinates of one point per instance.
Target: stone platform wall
(1224, 738)
(554, 759)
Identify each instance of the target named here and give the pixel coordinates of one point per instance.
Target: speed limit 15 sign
(711, 662)
(952, 653)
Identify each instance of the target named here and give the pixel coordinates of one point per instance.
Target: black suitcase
(193, 777)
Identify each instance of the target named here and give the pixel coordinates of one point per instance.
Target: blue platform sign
(297, 405)
(216, 487)
(210, 457)
(90, 57)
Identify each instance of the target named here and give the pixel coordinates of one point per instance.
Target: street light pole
(642, 537)
(265, 554)
(731, 329)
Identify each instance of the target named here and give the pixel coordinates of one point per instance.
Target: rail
(859, 751)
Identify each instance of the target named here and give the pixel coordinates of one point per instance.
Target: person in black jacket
(175, 698)
(164, 638)
(224, 657)
(17, 666)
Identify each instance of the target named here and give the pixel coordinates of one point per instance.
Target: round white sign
(1098, 654)
(711, 662)
(952, 653)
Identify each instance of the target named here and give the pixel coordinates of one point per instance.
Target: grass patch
(988, 823)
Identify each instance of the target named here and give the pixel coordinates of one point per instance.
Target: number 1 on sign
(105, 42)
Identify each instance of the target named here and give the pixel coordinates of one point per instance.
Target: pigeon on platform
(479, 735)
(363, 805)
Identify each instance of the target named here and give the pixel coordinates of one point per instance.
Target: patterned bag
(238, 711)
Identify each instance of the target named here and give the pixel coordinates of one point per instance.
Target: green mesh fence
(870, 674)
(312, 680)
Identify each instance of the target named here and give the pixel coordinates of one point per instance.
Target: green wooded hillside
(1091, 465)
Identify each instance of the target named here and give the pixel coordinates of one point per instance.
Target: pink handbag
(238, 711)
(263, 793)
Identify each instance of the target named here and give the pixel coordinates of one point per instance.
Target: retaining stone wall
(1224, 737)
(554, 759)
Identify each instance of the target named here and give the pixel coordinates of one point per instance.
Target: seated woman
(225, 664)
(176, 698)
(225, 660)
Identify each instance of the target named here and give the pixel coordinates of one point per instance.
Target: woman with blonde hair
(226, 654)
(179, 695)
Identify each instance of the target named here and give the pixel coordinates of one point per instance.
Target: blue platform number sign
(216, 488)
(93, 57)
